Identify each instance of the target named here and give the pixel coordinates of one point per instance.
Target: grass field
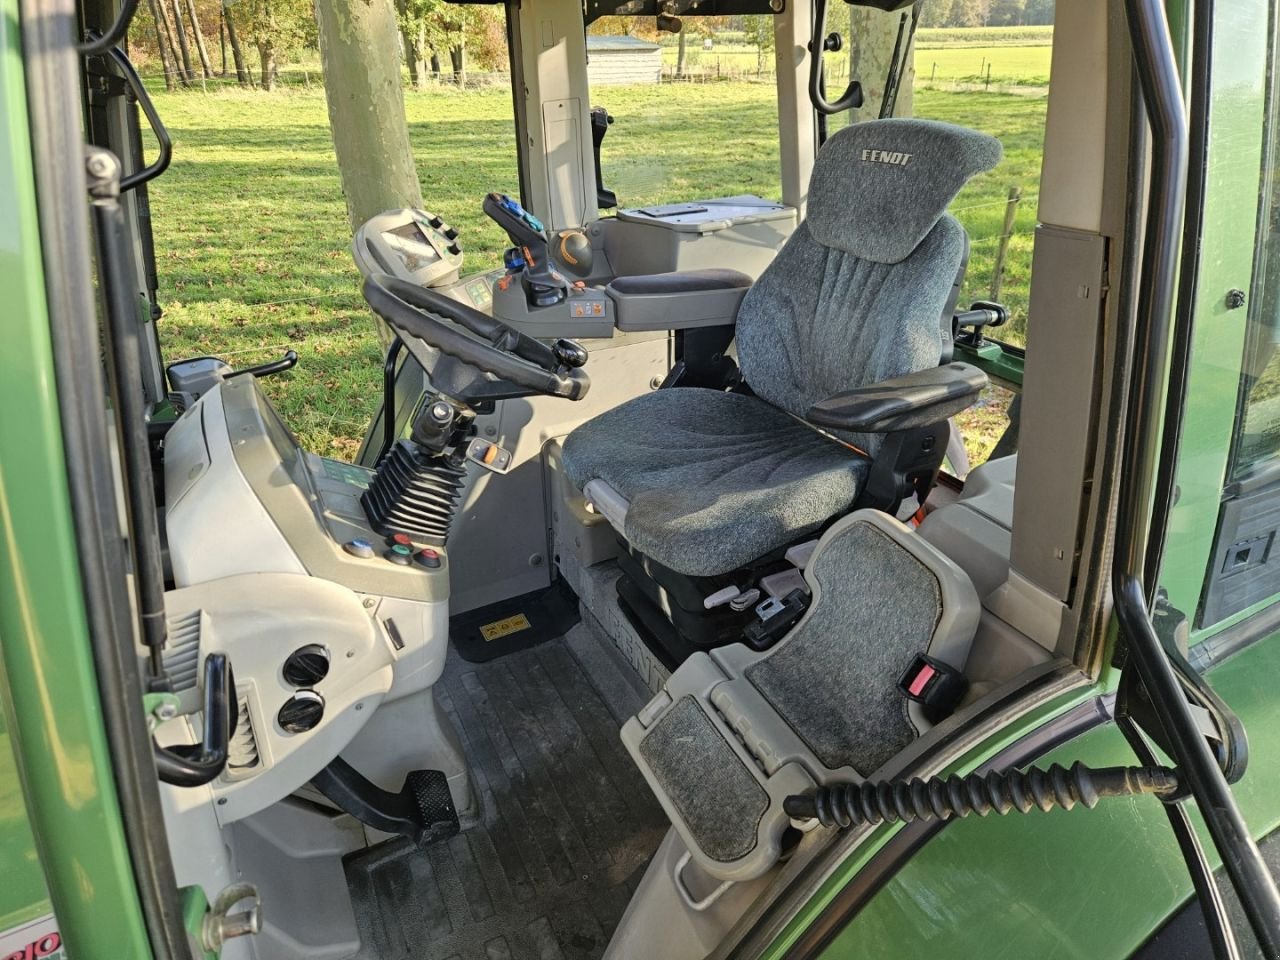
(253, 241)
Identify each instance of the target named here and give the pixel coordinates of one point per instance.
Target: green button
(401, 549)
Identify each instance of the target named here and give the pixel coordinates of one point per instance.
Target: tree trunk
(162, 46)
(185, 50)
(872, 35)
(680, 56)
(163, 11)
(222, 37)
(205, 64)
(420, 54)
(358, 53)
(267, 54)
(458, 60)
(237, 54)
(411, 58)
(435, 64)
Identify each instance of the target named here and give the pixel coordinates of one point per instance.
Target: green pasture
(252, 235)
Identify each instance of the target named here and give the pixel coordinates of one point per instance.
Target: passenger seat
(734, 731)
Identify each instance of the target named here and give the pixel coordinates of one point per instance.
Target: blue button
(359, 548)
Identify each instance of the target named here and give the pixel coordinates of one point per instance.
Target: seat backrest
(858, 292)
(735, 731)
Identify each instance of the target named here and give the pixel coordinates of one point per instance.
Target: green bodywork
(1029, 884)
(48, 684)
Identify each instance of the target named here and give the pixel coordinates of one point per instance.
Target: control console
(537, 295)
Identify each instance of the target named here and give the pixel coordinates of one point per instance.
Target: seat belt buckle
(938, 687)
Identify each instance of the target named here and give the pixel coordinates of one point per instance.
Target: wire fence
(699, 67)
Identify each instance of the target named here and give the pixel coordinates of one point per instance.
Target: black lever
(158, 129)
(852, 96)
(980, 315)
(287, 362)
(570, 353)
(196, 765)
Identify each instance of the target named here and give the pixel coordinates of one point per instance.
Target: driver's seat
(839, 343)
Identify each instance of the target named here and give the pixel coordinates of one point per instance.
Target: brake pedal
(422, 811)
(435, 804)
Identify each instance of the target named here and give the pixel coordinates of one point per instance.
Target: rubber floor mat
(515, 624)
(567, 826)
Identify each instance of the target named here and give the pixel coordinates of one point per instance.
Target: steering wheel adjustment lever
(570, 353)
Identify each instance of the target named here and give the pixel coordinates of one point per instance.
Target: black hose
(939, 798)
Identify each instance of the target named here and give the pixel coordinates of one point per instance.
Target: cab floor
(566, 829)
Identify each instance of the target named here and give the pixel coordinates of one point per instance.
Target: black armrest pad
(684, 281)
(902, 403)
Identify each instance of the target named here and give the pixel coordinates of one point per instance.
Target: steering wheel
(479, 340)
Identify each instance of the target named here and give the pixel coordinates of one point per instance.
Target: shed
(618, 60)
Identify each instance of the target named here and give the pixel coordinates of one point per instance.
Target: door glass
(1257, 442)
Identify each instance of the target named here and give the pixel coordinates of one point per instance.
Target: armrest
(902, 403)
(678, 301)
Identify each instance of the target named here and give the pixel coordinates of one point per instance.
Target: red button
(402, 538)
(922, 680)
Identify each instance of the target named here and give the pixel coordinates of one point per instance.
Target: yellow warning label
(504, 628)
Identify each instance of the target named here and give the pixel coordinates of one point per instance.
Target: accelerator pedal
(423, 810)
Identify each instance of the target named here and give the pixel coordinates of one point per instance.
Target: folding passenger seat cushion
(734, 732)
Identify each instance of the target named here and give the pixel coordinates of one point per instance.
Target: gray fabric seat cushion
(715, 480)
(833, 679)
(717, 796)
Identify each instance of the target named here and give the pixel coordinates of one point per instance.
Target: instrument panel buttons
(361, 549)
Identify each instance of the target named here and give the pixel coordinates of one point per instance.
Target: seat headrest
(879, 186)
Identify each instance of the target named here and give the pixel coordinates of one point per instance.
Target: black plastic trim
(1184, 329)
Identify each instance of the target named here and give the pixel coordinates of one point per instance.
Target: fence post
(1002, 251)
(988, 86)
(934, 72)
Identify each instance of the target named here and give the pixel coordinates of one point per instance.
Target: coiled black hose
(849, 804)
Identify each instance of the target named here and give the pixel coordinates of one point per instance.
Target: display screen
(411, 246)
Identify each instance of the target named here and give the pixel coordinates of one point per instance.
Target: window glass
(1257, 444)
(695, 114)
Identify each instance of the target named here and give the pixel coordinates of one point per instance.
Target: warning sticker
(37, 940)
(506, 627)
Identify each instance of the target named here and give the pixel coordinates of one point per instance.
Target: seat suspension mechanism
(944, 798)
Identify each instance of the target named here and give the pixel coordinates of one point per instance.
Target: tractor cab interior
(660, 523)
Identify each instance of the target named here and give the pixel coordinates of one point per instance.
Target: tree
(359, 50)
(201, 49)
(758, 31)
(187, 72)
(873, 34)
(1008, 13)
(162, 45)
(274, 27)
(237, 54)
